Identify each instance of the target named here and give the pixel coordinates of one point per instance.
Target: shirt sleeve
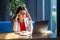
(16, 26)
(30, 26)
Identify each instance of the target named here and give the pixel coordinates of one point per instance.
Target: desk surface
(15, 36)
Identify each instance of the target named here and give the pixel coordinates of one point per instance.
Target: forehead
(22, 11)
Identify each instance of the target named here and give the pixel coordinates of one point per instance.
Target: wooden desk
(15, 36)
(11, 36)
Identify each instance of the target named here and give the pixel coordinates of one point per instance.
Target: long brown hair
(18, 10)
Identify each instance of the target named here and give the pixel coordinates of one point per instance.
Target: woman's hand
(28, 15)
(16, 17)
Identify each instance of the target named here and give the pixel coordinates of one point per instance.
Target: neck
(21, 20)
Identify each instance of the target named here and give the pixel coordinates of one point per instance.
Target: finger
(16, 17)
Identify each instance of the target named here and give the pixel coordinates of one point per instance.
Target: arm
(30, 26)
(15, 24)
(27, 14)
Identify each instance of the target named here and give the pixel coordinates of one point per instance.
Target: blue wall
(4, 12)
(48, 12)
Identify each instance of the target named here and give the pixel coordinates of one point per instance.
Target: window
(54, 16)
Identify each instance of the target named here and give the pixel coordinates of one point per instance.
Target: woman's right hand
(16, 17)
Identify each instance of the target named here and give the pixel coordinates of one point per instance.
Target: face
(22, 14)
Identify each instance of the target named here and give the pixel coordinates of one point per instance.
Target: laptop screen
(40, 26)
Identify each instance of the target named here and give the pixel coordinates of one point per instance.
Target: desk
(15, 36)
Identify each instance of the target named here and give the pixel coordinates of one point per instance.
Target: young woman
(22, 21)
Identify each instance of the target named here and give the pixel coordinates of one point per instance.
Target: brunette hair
(18, 10)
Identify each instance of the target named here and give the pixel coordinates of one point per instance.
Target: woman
(22, 21)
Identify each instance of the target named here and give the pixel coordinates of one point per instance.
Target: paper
(24, 33)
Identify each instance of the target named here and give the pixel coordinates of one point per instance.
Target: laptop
(40, 27)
